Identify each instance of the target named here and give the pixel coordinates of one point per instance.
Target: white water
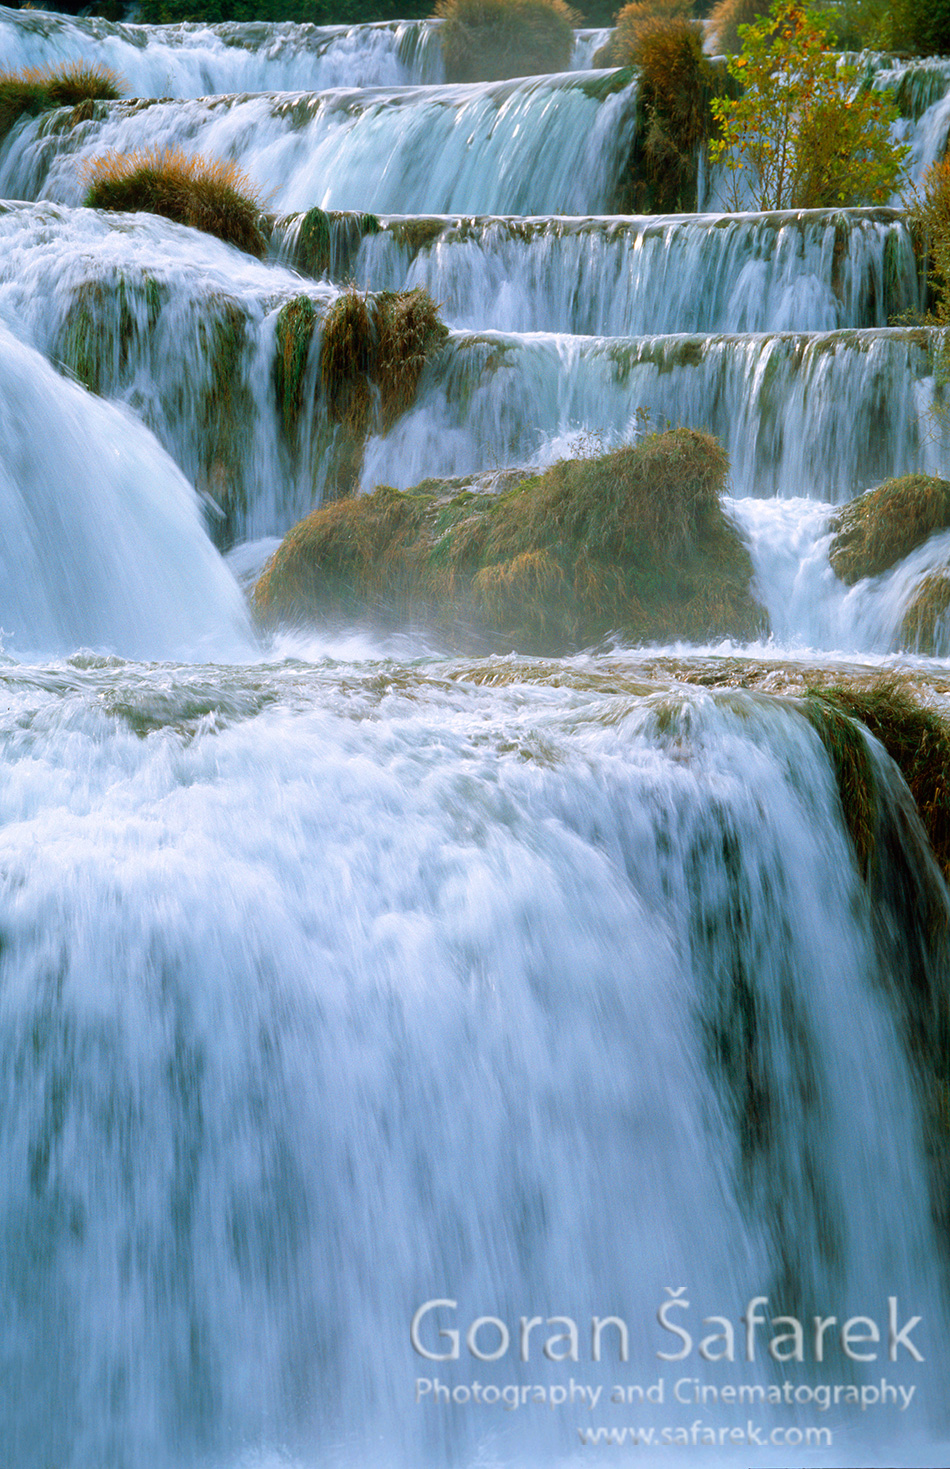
(616, 277)
(359, 975)
(534, 146)
(192, 60)
(101, 537)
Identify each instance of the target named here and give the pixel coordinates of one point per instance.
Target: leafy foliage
(802, 131)
(487, 40)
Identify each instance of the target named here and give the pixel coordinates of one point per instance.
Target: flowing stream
(341, 973)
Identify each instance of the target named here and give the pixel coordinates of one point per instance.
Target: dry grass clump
(39, 89)
(727, 16)
(633, 541)
(675, 121)
(636, 20)
(876, 530)
(487, 40)
(382, 341)
(207, 194)
(917, 740)
(924, 625)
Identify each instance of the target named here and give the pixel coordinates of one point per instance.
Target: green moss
(295, 327)
(313, 243)
(416, 234)
(226, 410)
(923, 629)
(600, 88)
(634, 541)
(847, 748)
(876, 530)
(917, 740)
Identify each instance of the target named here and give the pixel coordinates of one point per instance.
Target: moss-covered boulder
(925, 623)
(635, 542)
(876, 530)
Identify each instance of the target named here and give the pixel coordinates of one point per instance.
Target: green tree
(801, 132)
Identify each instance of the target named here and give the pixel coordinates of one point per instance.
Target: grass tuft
(632, 541)
(488, 40)
(40, 89)
(207, 194)
(876, 530)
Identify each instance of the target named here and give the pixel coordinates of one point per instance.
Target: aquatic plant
(876, 530)
(487, 40)
(208, 194)
(634, 540)
(40, 89)
(295, 327)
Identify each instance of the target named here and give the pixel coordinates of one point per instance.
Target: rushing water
(341, 974)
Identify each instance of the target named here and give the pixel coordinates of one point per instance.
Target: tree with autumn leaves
(802, 133)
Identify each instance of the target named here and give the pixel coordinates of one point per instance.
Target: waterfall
(340, 973)
(240, 1137)
(544, 145)
(102, 540)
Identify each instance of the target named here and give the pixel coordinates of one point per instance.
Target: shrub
(800, 130)
(41, 89)
(487, 40)
(728, 16)
(928, 208)
(921, 26)
(674, 114)
(634, 21)
(876, 530)
(207, 194)
(635, 541)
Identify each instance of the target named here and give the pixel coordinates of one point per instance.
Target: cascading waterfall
(341, 974)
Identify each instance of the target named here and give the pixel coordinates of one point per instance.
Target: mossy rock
(917, 740)
(634, 542)
(296, 322)
(207, 194)
(876, 530)
(924, 625)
